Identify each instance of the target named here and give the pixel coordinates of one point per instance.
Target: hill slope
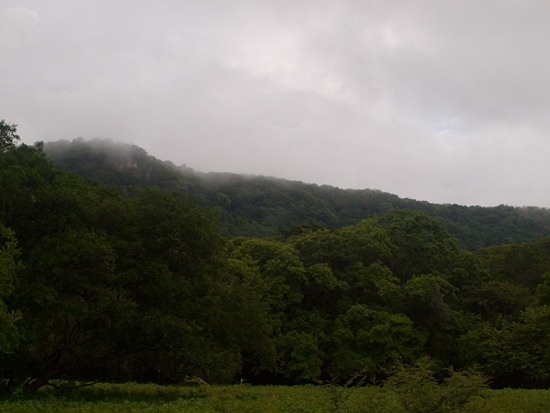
(264, 206)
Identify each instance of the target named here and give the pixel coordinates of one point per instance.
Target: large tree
(8, 136)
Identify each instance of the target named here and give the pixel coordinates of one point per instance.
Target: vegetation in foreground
(409, 389)
(131, 397)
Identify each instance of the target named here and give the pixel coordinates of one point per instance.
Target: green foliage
(262, 207)
(238, 317)
(424, 245)
(203, 398)
(494, 299)
(280, 266)
(522, 264)
(113, 285)
(366, 316)
(542, 295)
(8, 260)
(137, 283)
(372, 340)
(8, 136)
(9, 335)
(515, 353)
(418, 390)
(301, 357)
(425, 296)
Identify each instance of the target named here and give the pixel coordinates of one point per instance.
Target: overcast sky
(444, 101)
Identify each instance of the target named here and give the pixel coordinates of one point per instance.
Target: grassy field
(251, 399)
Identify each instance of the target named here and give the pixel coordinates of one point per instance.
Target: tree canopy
(103, 282)
(260, 206)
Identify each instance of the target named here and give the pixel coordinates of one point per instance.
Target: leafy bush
(418, 390)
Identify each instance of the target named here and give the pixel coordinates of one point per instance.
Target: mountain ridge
(262, 206)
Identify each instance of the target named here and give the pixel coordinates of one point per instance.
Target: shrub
(418, 391)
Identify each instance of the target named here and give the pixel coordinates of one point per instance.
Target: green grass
(521, 401)
(131, 397)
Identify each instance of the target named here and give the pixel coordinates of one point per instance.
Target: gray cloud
(444, 101)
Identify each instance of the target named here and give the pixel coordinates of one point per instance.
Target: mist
(444, 102)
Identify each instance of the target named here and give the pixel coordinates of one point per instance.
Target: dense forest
(264, 207)
(152, 272)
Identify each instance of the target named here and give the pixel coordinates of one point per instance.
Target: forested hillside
(262, 206)
(128, 283)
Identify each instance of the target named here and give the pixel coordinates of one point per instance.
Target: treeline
(99, 283)
(263, 207)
